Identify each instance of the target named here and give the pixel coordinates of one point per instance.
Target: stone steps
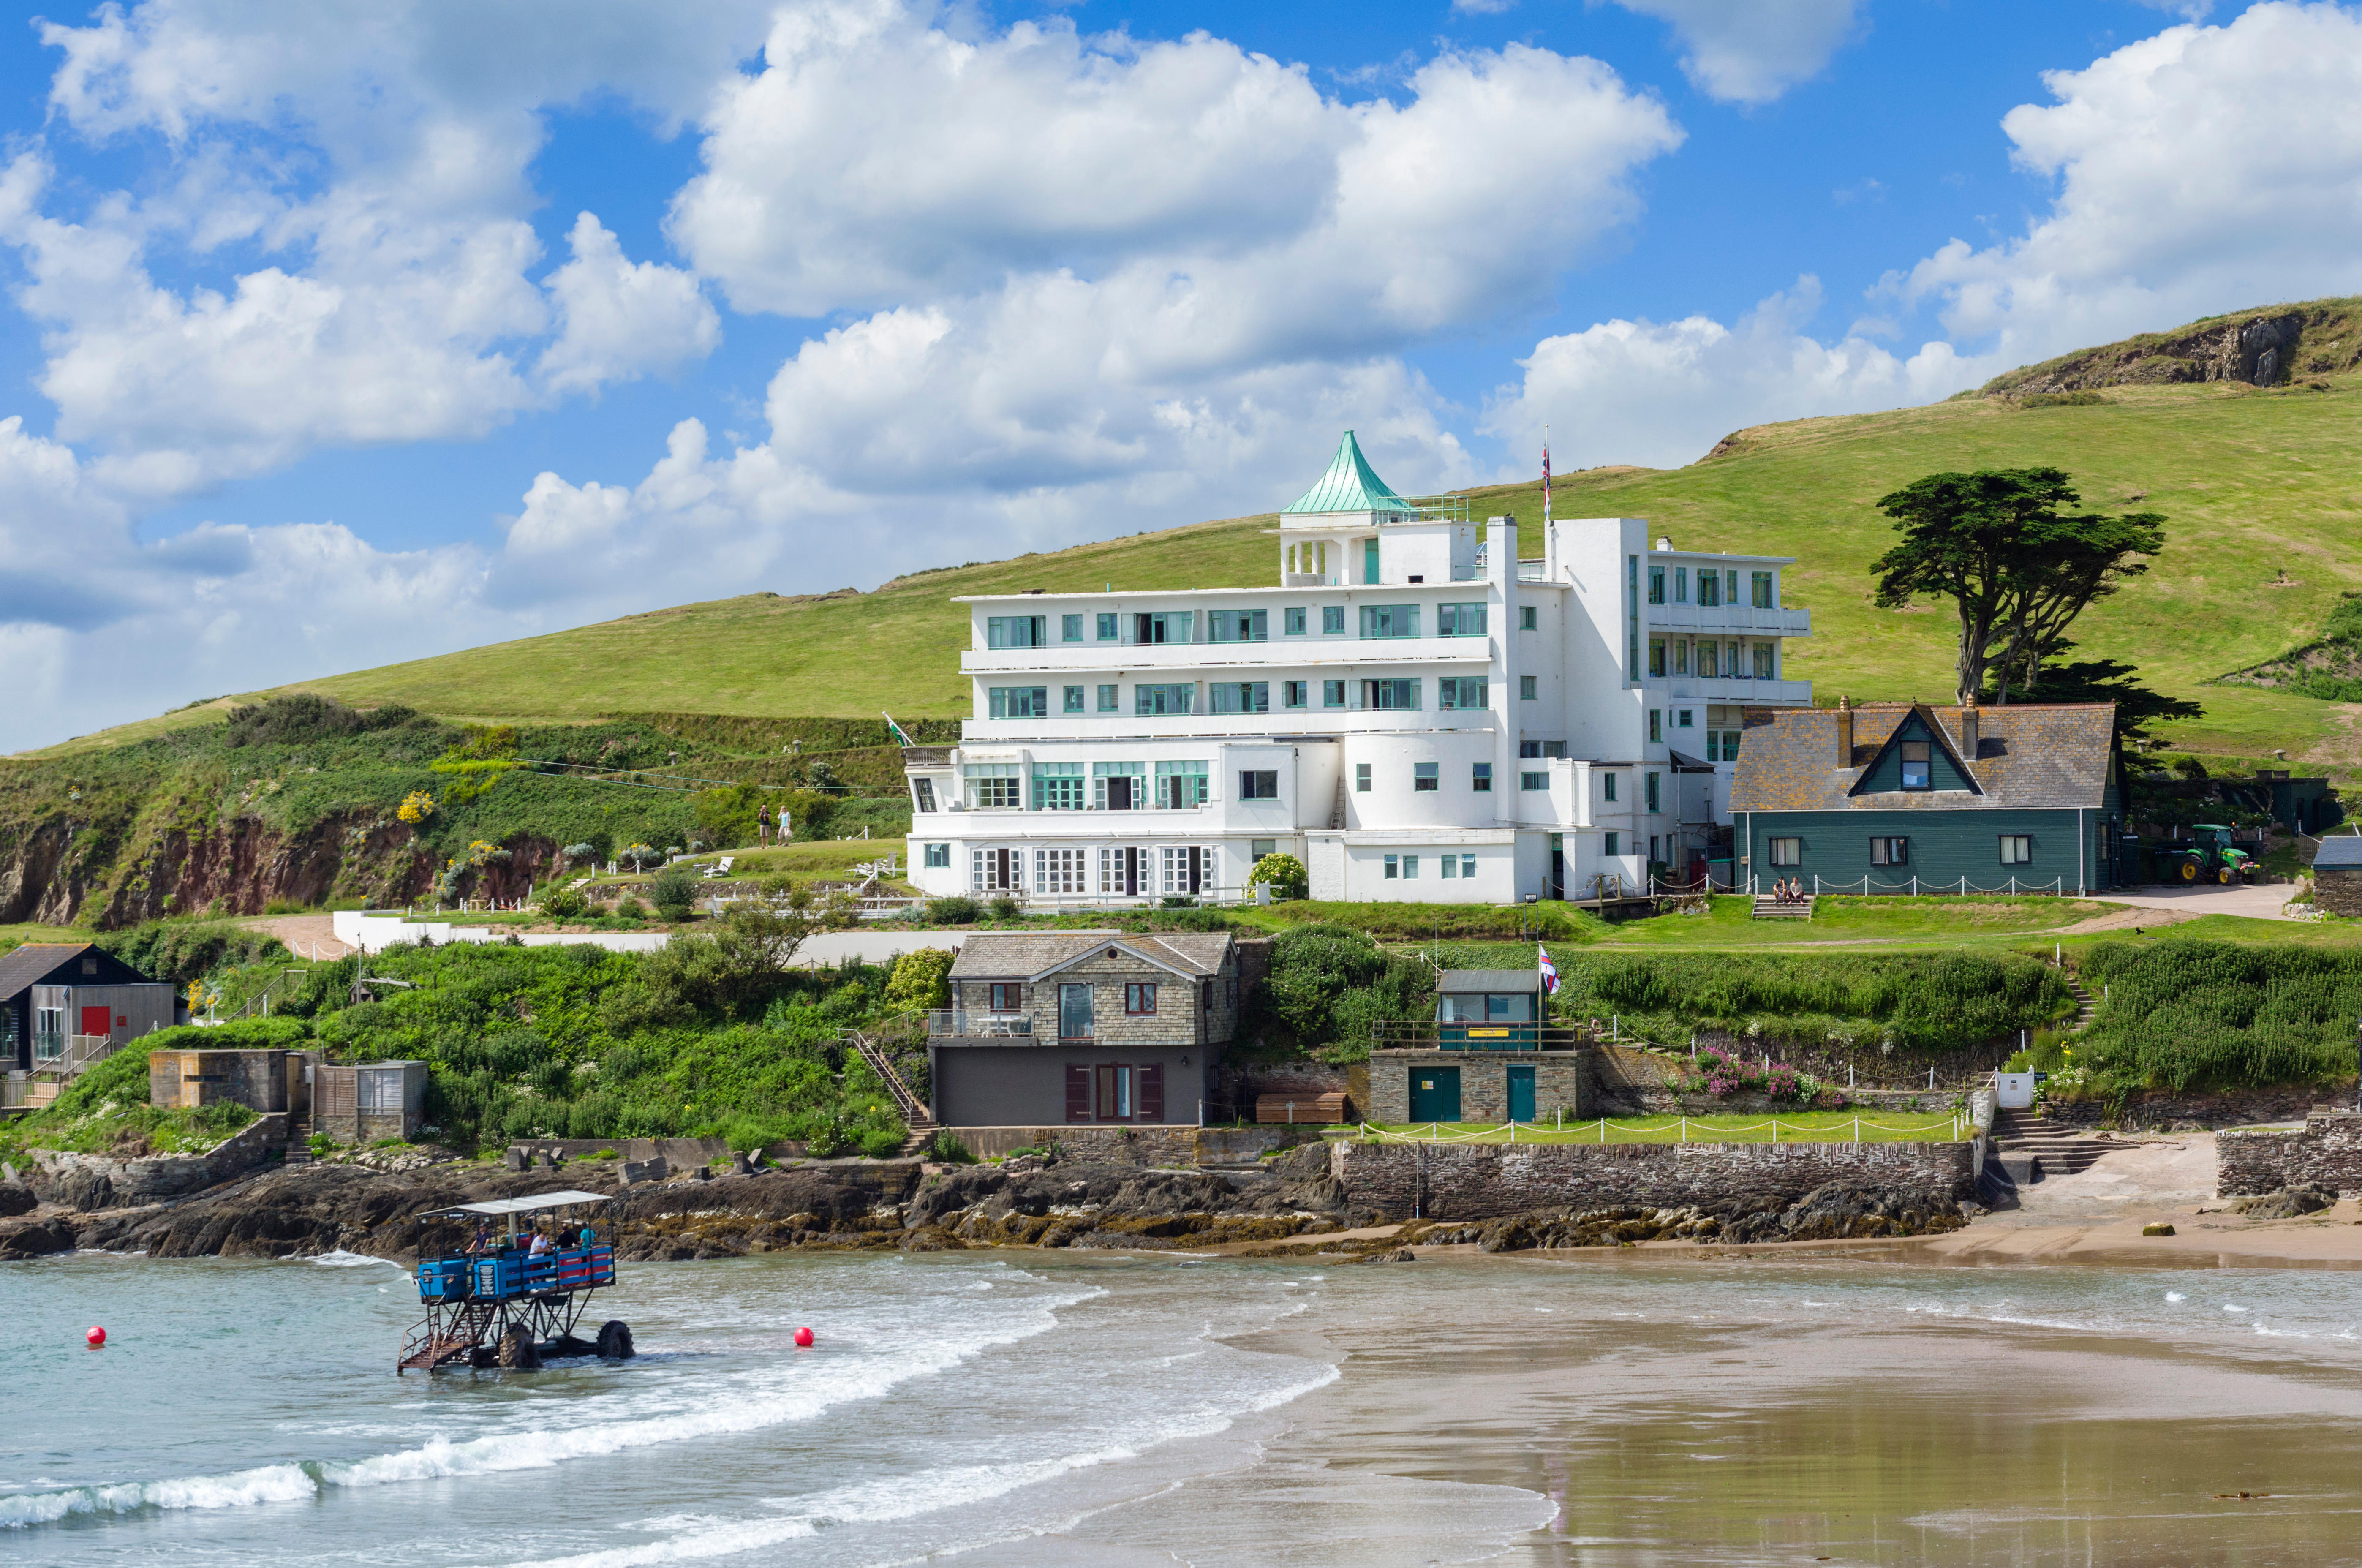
(2061, 1150)
(1769, 908)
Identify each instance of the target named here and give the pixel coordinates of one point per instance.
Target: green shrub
(884, 1143)
(1327, 984)
(179, 951)
(2189, 1014)
(673, 890)
(563, 904)
(1006, 908)
(954, 910)
(921, 981)
(1285, 874)
(947, 1147)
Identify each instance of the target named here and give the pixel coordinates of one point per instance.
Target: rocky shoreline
(1290, 1206)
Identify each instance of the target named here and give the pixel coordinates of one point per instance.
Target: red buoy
(803, 1337)
(97, 1337)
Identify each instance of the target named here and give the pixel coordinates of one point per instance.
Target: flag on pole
(1546, 476)
(1550, 971)
(899, 737)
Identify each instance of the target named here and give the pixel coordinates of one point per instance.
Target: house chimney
(1968, 730)
(1845, 731)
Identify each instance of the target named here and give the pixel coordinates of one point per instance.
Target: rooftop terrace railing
(1465, 1034)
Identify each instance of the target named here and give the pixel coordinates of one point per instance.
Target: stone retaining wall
(2327, 1152)
(1171, 1148)
(2161, 1108)
(94, 1181)
(1477, 1181)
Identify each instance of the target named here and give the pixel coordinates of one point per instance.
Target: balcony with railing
(981, 1025)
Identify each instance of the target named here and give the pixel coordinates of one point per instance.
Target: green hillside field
(2261, 488)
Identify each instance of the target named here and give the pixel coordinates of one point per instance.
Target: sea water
(1024, 1407)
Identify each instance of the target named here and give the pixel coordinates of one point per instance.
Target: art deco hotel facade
(1411, 710)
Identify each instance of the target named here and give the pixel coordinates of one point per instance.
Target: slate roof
(2343, 852)
(33, 963)
(2030, 756)
(1027, 955)
(1460, 982)
(1350, 485)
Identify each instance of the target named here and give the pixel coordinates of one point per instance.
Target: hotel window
(1292, 623)
(1390, 694)
(1480, 778)
(996, 870)
(1108, 700)
(1016, 631)
(1462, 865)
(1528, 688)
(1460, 620)
(1332, 693)
(1730, 745)
(1916, 772)
(2016, 849)
(1614, 845)
(1168, 626)
(1528, 618)
(1259, 847)
(1237, 625)
(1709, 587)
(1657, 655)
(1763, 661)
(938, 855)
(1706, 660)
(1073, 699)
(1403, 865)
(1108, 626)
(1057, 786)
(1238, 696)
(1681, 656)
(1459, 691)
(1070, 628)
(1889, 851)
(1656, 584)
(1150, 702)
(1394, 867)
(1019, 701)
(1655, 804)
(1425, 776)
(1607, 787)
(924, 788)
(1533, 780)
(1361, 778)
(1139, 998)
(1530, 748)
(1681, 585)
(1332, 620)
(1259, 784)
(1656, 724)
(1730, 663)
(1787, 852)
(992, 785)
(1180, 785)
(1682, 719)
(1119, 787)
(1763, 590)
(1295, 693)
(1061, 871)
(1369, 560)
(1379, 620)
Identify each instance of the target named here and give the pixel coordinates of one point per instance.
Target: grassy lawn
(1731, 922)
(1794, 1127)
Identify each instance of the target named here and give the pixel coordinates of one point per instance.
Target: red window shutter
(1078, 1094)
(1151, 1093)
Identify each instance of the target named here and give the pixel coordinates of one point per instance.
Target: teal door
(1435, 1094)
(1521, 1094)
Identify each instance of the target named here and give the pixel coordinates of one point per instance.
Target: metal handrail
(972, 1024)
(908, 1103)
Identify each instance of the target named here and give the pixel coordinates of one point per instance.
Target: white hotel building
(1411, 711)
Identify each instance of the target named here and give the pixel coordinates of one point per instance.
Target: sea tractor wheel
(614, 1340)
(517, 1350)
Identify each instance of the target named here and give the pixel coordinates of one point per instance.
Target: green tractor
(2208, 855)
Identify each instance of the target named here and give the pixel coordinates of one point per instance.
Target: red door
(98, 1021)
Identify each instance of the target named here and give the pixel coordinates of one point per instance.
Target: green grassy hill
(2261, 487)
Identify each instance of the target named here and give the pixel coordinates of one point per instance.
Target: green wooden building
(1913, 797)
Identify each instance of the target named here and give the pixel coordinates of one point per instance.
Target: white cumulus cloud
(1752, 52)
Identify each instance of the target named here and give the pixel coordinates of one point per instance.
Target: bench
(720, 867)
(1301, 1110)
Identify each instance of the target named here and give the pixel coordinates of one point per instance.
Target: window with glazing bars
(1460, 620)
(1151, 700)
(1018, 701)
(1166, 626)
(1389, 620)
(1016, 631)
(992, 785)
(1460, 691)
(1238, 696)
(1059, 786)
(1060, 871)
(1237, 625)
(1390, 694)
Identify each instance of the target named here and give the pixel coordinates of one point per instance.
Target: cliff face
(2266, 348)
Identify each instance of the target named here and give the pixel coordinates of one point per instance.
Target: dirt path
(306, 936)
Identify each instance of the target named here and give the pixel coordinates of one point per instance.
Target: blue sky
(343, 335)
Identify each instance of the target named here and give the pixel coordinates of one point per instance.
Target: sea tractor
(506, 1282)
(2207, 855)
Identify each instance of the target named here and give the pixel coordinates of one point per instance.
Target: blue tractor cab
(506, 1282)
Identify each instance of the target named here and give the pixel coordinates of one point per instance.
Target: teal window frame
(1073, 699)
(938, 855)
(1656, 583)
(1389, 622)
(1657, 658)
(1237, 625)
(1111, 626)
(1526, 781)
(1361, 778)
(1292, 623)
(1607, 787)
(1154, 628)
(1480, 778)
(1460, 620)
(1615, 844)
(1656, 797)
(1461, 692)
(1059, 787)
(1332, 693)
(1529, 688)
(1332, 620)
(1295, 693)
(1681, 585)
(1016, 631)
(1426, 778)
(1111, 698)
(1017, 701)
(1392, 694)
(1238, 697)
(1070, 628)
(1764, 596)
(1164, 700)
(1180, 785)
(1530, 619)
(1370, 560)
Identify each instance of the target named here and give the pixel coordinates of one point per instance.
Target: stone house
(1096, 1027)
(2338, 875)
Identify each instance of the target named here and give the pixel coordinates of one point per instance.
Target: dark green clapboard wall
(1944, 847)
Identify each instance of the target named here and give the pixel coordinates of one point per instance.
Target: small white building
(1411, 710)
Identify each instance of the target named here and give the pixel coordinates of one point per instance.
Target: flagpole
(1546, 496)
